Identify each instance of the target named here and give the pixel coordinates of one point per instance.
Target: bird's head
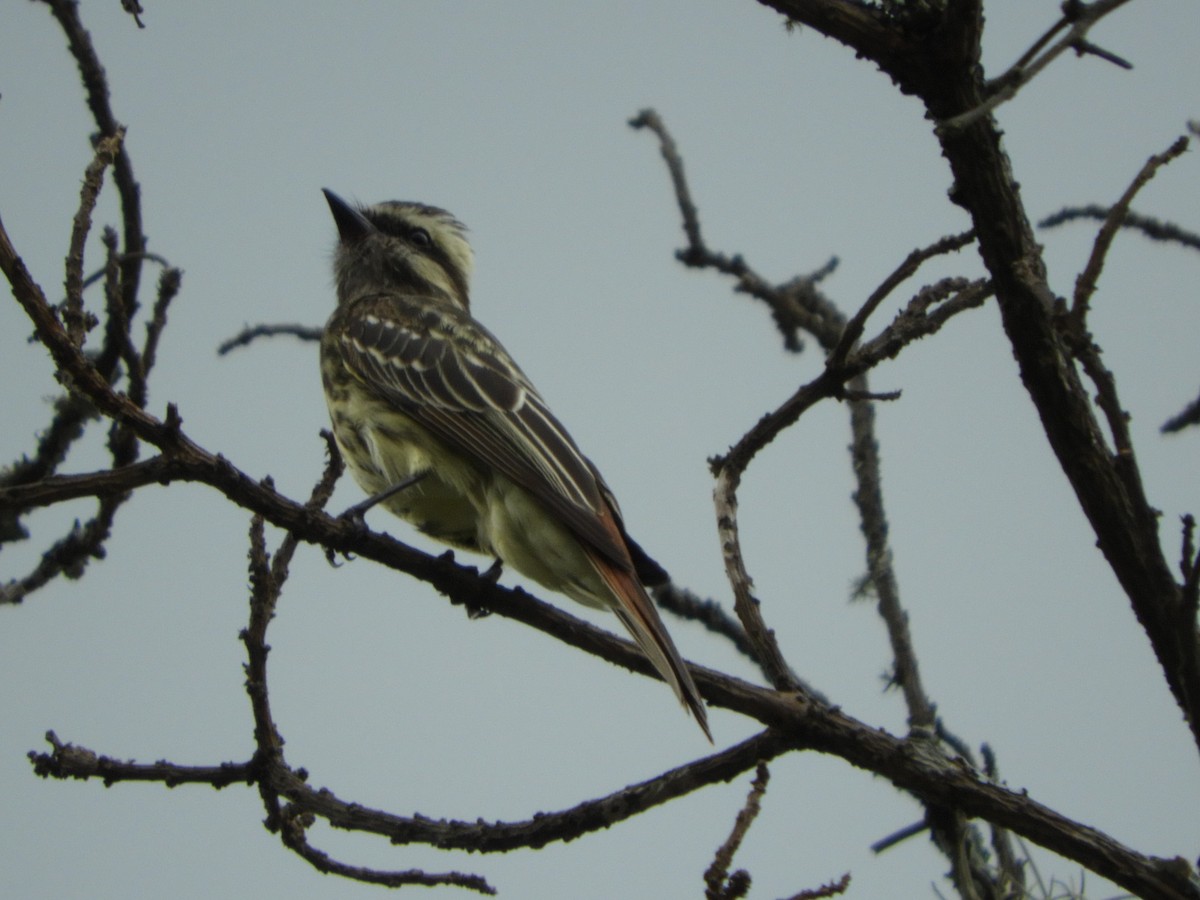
(398, 245)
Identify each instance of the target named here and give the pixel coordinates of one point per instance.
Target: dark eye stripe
(393, 223)
(435, 252)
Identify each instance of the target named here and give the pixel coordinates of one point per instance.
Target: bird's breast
(382, 446)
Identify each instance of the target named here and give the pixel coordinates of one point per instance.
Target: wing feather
(452, 376)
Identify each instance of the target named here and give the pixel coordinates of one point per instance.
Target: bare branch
(95, 84)
(795, 305)
(898, 836)
(168, 287)
(291, 820)
(854, 328)
(134, 8)
(71, 413)
(648, 118)
(838, 338)
(958, 839)
(833, 889)
(719, 883)
(766, 649)
(70, 555)
(915, 321)
(76, 321)
(868, 497)
(1189, 415)
(67, 556)
(69, 761)
(707, 612)
(1108, 492)
(544, 828)
(251, 333)
(1085, 284)
(1150, 227)
(1080, 17)
(1011, 869)
(806, 725)
(295, 837)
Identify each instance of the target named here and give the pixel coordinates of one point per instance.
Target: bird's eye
(421, 238)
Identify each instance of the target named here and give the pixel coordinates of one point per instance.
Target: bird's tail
(636, 611)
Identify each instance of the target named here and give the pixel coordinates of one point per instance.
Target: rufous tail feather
(637, 613)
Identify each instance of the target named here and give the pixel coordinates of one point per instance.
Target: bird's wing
(450, 374)
(447, 372)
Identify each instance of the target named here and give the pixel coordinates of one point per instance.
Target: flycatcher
(423, 398)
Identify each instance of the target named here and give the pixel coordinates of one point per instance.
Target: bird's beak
(351, 224)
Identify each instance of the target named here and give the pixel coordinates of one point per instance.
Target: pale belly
(458, 503)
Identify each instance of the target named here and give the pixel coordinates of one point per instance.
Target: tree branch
(1147, 225)
(251, 333)
(719, 883)
(1076, 14)
(1085, 284)
(95, 84)
(1124, 522)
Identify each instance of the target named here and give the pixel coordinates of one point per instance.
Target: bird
(436, 422)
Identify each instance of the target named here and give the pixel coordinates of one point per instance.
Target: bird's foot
(491, 575)
(493, 571)
(356, 514)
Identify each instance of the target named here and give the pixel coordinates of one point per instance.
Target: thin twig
(70, 554)
(1147, 225)
(477, 836)
(68, 761)
(251, 333)
(916, 321)
(868, 498)
(832, 889)
(898, 836)
(1081, 17)
(93, 178)
(1009, 866)
(1085, 283)
(134, 8)
(1189, 415)
(294, 833)
(795, 305)
(71, 413)
(854, 328)
(648, 118)
(168, 287)
(95, 84)
(707, 612)
(728, 471)
(1074, 327)
(291, 820)
(719, 882)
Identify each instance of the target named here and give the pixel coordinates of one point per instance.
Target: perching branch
(800, 724)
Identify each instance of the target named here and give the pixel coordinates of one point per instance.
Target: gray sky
(513, 116)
